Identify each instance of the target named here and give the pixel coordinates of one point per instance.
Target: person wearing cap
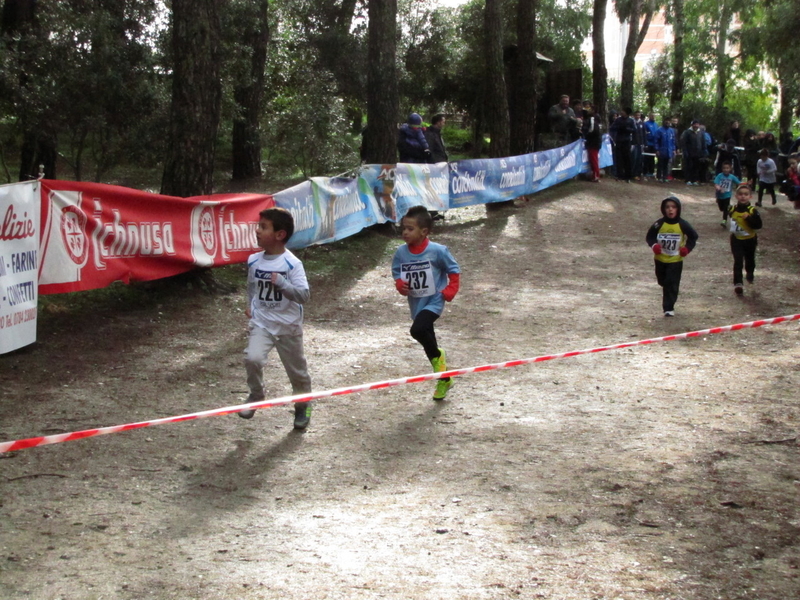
(671, 239)
(411, 143)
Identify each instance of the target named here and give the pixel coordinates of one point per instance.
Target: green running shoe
(302, 415)
(442, 385)
(439, 363)
(441, 388)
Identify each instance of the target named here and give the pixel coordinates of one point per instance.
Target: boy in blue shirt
(724, 184)
(428, 275)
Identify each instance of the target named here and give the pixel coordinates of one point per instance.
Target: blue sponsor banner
(396, 188)
(377, 182)
(543, 165)
(485, 180)
(421, 184)
(328, 209)
(299, 200)
(606, 153)
(565, 163)
(343, 210)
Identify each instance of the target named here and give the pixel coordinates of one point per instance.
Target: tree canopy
(207, 91)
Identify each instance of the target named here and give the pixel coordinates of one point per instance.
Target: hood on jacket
(664, 204)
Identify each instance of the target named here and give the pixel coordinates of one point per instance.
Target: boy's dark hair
(764, 152)
(437, 119)
(421, 215)
(726, 162)
(744, 185)
(281, 220)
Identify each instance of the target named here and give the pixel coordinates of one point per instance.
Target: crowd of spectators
(644, 149)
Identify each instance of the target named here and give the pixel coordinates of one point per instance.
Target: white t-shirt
(766, 170)
(278, 307)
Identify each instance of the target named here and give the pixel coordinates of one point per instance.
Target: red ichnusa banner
(95, 234)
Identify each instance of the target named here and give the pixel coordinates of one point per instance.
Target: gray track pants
(290, 351)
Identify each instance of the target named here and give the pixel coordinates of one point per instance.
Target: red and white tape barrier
(86, 433)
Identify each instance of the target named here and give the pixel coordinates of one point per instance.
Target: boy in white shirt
(766, 176)
(277, 288)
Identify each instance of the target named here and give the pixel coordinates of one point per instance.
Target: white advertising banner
(19, 264)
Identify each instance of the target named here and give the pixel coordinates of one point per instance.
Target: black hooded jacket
(686, 228)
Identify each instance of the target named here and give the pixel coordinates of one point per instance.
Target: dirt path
(663, 472)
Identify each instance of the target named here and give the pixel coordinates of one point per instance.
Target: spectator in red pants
(593, 136)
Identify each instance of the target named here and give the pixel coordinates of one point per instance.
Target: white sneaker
(669, 313)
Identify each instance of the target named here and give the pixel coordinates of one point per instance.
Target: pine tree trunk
(39, 142)
(522, 111)
(599, 71)
(636, 35)
(246, 136)
(678, 27)
(496, 101)
(629, 58)
(380, 136)
(196, 98)
(722, 57)
(788, 95)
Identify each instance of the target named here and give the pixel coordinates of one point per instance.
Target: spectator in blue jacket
(411, 143)
(666, 144)
(651, 125)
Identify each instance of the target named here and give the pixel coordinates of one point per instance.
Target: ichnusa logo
(123, 239)
(73, 234)
(215, 231)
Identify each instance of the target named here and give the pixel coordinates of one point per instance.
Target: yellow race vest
(671, 239)
(738, 224)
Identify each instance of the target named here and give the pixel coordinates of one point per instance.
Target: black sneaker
(749, 278)
(302, 415)
(738, 290)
